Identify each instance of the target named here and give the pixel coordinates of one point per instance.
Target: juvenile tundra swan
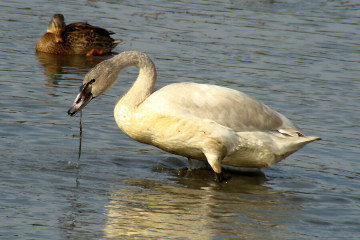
(198, 121)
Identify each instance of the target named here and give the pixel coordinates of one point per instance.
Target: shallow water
(301, 58)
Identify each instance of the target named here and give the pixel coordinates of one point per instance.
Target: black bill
(81, 100)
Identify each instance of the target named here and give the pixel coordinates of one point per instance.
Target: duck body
(76, 38)
(198, 121)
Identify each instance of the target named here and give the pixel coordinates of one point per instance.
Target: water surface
(301, 58)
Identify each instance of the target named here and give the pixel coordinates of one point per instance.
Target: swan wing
(225, 106)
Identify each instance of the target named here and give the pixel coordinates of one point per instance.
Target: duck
(76, 38)
(210, 123)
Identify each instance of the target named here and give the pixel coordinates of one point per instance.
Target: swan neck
(145, 82)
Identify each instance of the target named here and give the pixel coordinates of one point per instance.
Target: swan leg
(215, 163)
(219, 178)
(190, 164)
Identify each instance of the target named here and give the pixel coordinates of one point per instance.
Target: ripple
(298, 57)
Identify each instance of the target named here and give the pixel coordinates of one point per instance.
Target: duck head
(56, 27)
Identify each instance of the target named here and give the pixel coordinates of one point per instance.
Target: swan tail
(312, 138)
(264, 149)
(117, 41)
(286, 145)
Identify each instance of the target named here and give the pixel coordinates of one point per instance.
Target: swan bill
(82, 99)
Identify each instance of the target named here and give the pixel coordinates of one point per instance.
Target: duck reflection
(243, 208)
(55, 66)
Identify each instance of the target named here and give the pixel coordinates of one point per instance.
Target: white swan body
(198, 121)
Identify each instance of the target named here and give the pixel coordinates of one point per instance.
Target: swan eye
(92, 81)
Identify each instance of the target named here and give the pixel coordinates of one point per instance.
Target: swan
(198, 121)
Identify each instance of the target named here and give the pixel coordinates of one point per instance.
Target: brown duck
(75, 38)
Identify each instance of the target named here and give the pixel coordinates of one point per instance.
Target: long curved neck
(145, 82)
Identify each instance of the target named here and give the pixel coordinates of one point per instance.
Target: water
(301, 58)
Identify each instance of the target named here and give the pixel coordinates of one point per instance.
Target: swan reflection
(156, 209)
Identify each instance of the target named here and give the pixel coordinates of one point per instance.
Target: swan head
(83, 98)
(96, 82)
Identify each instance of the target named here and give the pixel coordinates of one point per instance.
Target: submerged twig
(80, 137)
(79, 153)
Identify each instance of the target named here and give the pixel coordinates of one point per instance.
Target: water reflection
(158, 209)
(55, 66)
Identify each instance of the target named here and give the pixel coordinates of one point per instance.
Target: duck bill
(81, 100)
(58, 35)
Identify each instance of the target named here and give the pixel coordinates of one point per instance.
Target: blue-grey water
(300, 57)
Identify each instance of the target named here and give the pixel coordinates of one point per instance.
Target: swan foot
(219, 178)
(95, 52)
